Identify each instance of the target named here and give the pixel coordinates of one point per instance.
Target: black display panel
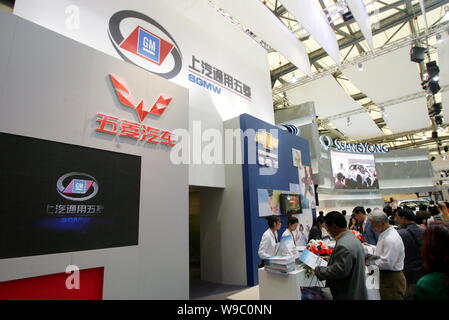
(57, 197)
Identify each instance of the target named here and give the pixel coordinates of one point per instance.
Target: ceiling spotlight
(434, 87)
(439, 38)
(417, 54)
(432, 69)
(446, 148)
(439, 120)
(432, 159)
(437, 107)
(436, 78)
(434, 135)
(348, 121)
(360, 66)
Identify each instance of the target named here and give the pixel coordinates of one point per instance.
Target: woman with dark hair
(316, 231)
(435, 284)
(269, 244)
(353, 224)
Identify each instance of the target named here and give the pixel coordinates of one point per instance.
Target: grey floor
(203, 290)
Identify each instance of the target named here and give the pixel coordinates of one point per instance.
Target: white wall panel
(55, 88)
(200, 31)
(362, 126)
(389, 76)
(328, 96)
(310, 17)
(407, 116)
(260, 20)
(331, 99)
(361, 16)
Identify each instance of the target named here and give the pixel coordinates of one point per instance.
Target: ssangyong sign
(362, 147)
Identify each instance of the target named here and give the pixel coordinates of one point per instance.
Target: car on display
(361, 177)
(412, 204)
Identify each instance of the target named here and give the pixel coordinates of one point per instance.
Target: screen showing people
(354, 171)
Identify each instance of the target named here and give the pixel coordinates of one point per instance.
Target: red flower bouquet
(319, 248)
(358, 235)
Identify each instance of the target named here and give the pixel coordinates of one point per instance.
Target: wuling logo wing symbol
(157, 109)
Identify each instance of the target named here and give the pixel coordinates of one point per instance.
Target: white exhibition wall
(199, 31)
(53, 90)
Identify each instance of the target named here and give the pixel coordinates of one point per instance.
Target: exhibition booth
(106, 127)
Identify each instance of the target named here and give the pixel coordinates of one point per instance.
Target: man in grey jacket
(345, 273)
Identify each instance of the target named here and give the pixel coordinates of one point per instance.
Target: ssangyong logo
(77, 186)
(147, 43)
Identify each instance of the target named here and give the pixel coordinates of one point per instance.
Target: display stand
(274, 286)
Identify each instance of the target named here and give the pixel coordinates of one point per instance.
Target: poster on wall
(268, 200)
(306, 186)
(59, 197)
(354, 171)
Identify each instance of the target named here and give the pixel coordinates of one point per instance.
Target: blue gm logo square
(149, 45)
(79, 186)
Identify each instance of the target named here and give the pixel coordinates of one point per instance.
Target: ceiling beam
(385, 24)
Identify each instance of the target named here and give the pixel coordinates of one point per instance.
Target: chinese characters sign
(137, 131)
(212, 78)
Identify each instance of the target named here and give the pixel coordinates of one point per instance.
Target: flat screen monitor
(58, 197)
(354, 171)
(290, 204)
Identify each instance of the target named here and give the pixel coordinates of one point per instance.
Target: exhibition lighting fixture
(439, 38)
(348, 123)
(433, 70)
(438, 120)
(437, 107)
(360, 66)
(434, 86)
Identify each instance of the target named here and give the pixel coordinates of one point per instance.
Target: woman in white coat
(288, 247)
(270, 239)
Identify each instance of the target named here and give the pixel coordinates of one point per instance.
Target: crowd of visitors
(412, 250)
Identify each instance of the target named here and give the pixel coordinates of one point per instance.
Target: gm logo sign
(145, 43)
(149, 46)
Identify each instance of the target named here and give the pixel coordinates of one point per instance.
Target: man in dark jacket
(345, 273)
(412, 236)
(367, 230)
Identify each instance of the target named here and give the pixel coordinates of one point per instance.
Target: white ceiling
(407, 116)
(310, 17)
(387, 77)
(261, 21)
(362, 126)
(330, 99)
